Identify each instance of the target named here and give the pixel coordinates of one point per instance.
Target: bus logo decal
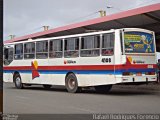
(69, 62)
(35, 72)
(130, 59)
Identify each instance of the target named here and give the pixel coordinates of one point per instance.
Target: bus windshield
(139, 42)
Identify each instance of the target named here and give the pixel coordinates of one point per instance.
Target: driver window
(8, 56)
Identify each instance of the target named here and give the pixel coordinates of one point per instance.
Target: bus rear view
(138, 56)
(97, 59)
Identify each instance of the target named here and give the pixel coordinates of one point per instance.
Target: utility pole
(102, 13)
(12, 36)
(46, 28)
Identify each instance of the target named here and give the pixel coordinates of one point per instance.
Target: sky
(22, 17)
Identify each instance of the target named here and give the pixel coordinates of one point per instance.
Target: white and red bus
(100, 59)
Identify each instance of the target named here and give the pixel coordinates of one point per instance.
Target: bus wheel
(103, 88)
(18, 81)
(47, 86)
(72, 84)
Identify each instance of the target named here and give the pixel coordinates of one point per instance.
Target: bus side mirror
(124, 59)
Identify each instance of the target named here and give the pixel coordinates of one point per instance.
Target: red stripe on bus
(81, 67)
(17, 68)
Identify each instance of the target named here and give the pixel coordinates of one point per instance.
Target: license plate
(138, 74)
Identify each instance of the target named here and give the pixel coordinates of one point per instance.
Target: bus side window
(29, 50)
(71, 49)
(8, 56)
(42, 49)
(90, 46)
(18, 53)
(108, 44)
(55, 48)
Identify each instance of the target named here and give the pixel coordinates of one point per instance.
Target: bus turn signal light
(150, 73)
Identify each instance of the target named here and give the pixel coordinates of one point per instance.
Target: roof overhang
(147, 17)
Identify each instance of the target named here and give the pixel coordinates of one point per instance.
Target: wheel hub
(72, 83)
(18, 81)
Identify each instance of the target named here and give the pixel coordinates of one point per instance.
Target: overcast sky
(23, 17)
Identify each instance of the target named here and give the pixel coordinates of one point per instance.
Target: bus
(97, 59)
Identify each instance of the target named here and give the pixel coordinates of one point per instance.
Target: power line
(29, 31)
(141, 4)
(145, 2)
(118, 9)
(74, 20)
(22, 33)
(82, 17)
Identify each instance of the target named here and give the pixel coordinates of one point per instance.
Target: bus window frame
(47, 53)
(30, 53)
(91, 55)
(76, 51)
(113, 33)
(50, 52)
(122, 42)
(22, 54)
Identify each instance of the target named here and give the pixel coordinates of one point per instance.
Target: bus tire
(47, 86)
(18, 82)
(103, 88)
(72, 84)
